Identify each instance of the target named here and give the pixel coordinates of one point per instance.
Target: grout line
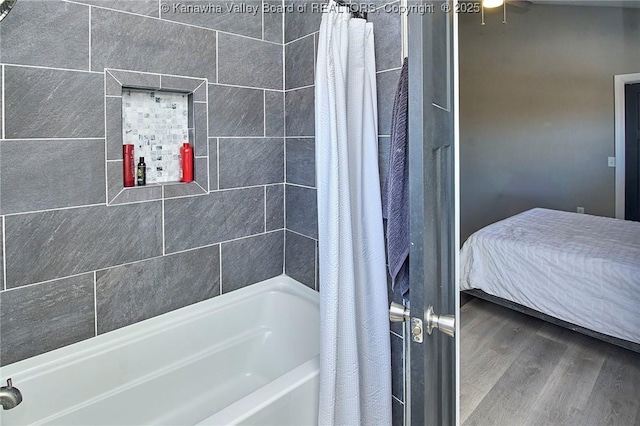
(246, 137)
(397, 399)
(265, 208)
(95, 302)
(109, 202)
(4, 254)
(159, 9)
(284, 252)
(264, 113)
(284, 67)
(4, 124)
(217, 56)
(106, 147)
(248, 87)
(301, 137)
(90, 12)
(302, 235)
(301, 186)
(56, 209)
(395, 334)
(52, 280)
(208, 168)
(54, 139)
(220, 265)
(299, 88)
(439, 107)
(164, 252)
(389, 69)
(170, 21)
(148, 259)
(218, 163)
(300, 38)
(112, 96)
(52, 68)
(185, 77)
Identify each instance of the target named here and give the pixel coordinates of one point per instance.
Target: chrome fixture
(398, 313)
(444, 323)
(5, 7)
(10, 396)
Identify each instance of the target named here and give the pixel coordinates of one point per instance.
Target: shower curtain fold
(355, 365)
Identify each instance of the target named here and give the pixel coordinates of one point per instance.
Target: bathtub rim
(32, 367)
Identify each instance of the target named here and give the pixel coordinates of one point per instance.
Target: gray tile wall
(77, 267)
(301, 38)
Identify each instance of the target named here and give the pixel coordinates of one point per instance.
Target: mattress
(579, 268)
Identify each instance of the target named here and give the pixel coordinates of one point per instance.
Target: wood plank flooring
(519, 370)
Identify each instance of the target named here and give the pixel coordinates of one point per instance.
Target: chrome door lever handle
(398, 313)
(444, 323)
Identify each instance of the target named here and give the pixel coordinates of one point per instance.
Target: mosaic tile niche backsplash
(156, 123)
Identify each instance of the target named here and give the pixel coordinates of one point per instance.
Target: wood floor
(518, 370)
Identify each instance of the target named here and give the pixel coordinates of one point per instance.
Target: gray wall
(77, 267)
(301, 37)
(536, 109)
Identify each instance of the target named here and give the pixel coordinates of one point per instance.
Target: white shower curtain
(355, 364)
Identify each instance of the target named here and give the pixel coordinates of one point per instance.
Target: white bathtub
(246, 357)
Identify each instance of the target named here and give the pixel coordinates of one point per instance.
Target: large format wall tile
(386, 83)
(251, 260)
(303, 17)
(57, 35)
(47, 316)
(235, 111)
(233, 16)
(274, 113)
(301, 210)
(247, 62)
(52, 244)
(213, 164)
(209, 219)
(273, 21)
(299, 63)
(49, 103)
(300, 261)
(299, 110)
(397, 367)
(141, 7)
(387, 27)
(251, 161)
(384, 145)
(275, 207)
(57, 183)
(1, 258)
(113, 129)
(131, 293)
(301, 161)
(130, 42)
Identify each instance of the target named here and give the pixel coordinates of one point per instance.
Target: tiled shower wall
(301, 38)
(72, 266)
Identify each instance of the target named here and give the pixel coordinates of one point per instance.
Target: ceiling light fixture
(491, 4)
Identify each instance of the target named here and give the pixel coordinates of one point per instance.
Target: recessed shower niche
(152, 116)
(155, 124)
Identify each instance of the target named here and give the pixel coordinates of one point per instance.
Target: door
(432, 396)
(632, 152)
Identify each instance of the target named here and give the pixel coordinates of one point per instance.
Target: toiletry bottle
(128, 165)
(186, 156)
(142, 172)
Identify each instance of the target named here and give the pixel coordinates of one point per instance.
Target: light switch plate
(611, 162)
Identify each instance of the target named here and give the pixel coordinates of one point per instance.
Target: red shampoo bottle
(128, 165)
(186, 155)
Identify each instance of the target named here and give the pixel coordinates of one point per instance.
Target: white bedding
(579, 268)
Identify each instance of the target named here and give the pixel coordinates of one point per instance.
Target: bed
(577, 270)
